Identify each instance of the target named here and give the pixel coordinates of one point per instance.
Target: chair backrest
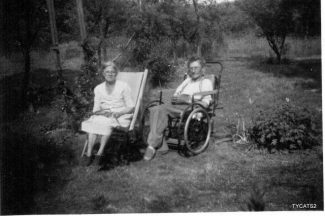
(136, 81)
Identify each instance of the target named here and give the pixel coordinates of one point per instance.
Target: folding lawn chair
(137, 82)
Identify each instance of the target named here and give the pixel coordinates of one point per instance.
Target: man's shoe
(149, 154)
(86, 160)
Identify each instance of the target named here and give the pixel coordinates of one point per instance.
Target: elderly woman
(113, 106)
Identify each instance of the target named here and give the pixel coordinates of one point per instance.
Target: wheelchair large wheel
(145, 124)
(197, 131)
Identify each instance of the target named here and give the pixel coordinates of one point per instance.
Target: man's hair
(196, 58)
(109, 64)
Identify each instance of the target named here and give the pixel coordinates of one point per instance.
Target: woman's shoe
(98, 160)
(86, 160)
(149, 154)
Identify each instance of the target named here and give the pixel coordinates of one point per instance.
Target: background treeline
(154, 33)
(176, 23)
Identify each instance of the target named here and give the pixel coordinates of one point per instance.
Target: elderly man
(183, 94)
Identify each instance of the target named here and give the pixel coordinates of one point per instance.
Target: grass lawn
(226, 177)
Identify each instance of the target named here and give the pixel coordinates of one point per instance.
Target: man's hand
(181, 99)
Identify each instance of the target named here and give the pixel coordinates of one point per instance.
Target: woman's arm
(126, 110)
(97, 99)
(129, 103)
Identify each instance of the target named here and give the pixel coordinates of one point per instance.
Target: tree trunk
(199, 48)
(274, 46)
(199, 40)
(105, 53)
(25, 81)
(55, 39)
(174, 52)
(26, 48)
(81, 19)
(279, 58)
(99, 56)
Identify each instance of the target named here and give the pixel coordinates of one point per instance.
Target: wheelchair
(190, 133)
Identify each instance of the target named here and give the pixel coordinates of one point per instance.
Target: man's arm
(181, 99)
(181, 87)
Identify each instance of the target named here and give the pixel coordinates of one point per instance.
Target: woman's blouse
(116, 101)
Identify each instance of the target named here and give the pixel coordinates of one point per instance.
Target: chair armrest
(205, 93)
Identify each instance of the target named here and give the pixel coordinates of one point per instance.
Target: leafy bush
(286, 127)
(161, 71)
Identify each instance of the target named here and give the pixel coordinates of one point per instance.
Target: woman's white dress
(118, 100)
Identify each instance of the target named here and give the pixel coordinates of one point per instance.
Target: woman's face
(110, 74)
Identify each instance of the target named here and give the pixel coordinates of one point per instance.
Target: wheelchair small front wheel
(197, 131)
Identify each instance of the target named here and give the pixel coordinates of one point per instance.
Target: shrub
(161, 71)
(77, 97)
(286, 127)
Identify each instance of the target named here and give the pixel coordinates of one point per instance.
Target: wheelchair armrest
(204, 93)
(200, 103)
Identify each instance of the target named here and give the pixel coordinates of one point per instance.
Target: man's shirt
(189, 87)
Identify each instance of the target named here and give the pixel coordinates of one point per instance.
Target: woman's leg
(91, 143)
(103, 142)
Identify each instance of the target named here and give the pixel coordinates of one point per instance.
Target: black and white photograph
(161, 106)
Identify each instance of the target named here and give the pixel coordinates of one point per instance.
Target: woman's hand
(108, 114)
(116, 114)
(103, 113)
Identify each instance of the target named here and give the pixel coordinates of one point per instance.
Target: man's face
(195, 70)
(110, 74)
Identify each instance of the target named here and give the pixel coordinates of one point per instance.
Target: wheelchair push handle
(218, 63)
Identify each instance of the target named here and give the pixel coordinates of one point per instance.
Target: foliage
(306, 17)
(147, 30)
(232, 19)
(161, 71)
(104, 17)
(175, 23)
(286, 127)
(78, 102)
(26, 25)
(274, 20)
(277, 19)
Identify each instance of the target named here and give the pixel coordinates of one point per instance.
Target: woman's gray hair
(109, 64)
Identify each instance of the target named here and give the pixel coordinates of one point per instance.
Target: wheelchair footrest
(174, 142)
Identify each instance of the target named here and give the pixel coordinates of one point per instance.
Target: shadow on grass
(309, 69)
(121, 150)
(30, 165)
